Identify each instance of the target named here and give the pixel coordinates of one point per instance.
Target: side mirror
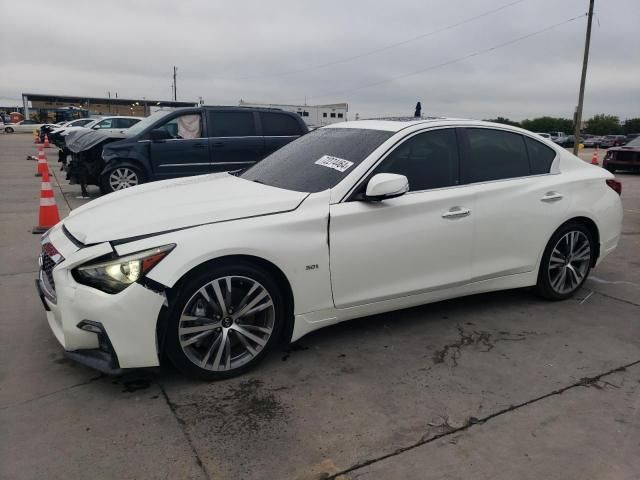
(159, 134)
(386, 185)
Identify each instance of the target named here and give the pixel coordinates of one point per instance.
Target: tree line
(600, 124)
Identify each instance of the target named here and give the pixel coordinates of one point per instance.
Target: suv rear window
(279, 125)
(231, 124)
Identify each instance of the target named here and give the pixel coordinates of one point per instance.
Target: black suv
(192, 141)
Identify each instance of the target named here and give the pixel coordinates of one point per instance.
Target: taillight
(615, 185)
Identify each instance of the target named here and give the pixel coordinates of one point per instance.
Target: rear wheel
(8, 130)
(224, 321)
(566, 262)
(119, 178)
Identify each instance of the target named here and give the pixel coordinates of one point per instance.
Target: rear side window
(540, 156)
(428, 160)
(231, 124)
(279, 125)
(125, 122)
(494, 155)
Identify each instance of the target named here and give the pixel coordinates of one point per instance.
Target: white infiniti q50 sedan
(350, 220)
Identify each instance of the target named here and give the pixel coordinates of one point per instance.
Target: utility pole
(585, 60)
(175, 87)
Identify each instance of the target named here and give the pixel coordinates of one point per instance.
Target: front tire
(224, 321)
(119, 178)
(8, 130)
(566, 262)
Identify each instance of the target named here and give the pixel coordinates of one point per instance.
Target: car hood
(175, 204)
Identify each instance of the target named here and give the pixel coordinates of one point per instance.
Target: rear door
(184, 150)
(233, 139)
(278, 129)
(519, 203)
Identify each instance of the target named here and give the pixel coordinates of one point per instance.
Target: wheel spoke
(254, 338)
(256, 327)
(245, 299)
(258, 308)
(210, 350)
(245, 343)
(199, 328)
(258, 298)
(221, 349)
(583, 253)
(219, 297)
(195, 338)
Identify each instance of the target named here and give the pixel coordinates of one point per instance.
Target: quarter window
(231, 124)
(540, 156)
(494, 155)
(279, 125)
(428, 160)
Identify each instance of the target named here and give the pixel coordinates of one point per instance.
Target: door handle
(218, 144)
(551, 197)
(200, 145)
(456, 212)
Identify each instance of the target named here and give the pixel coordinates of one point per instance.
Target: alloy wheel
(123, 177)
(569, 262)
(226, 323)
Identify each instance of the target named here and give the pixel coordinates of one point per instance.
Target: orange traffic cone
(46, 141)
(42, 163)
(48, 215)
(594, 157)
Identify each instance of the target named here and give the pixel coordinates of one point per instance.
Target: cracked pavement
(501, 385)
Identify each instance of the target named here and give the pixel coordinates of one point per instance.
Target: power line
(378, 50)
(456, 60)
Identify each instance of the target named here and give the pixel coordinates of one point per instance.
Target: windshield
(143, 124)
(317, 161)
(634, 143)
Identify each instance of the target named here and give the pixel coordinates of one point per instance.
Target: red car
(626, 157)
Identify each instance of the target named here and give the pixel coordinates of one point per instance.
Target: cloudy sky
(380, 57)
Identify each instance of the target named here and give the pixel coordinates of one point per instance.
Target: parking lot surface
(499, 386)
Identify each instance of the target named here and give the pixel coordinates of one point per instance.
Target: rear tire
(566, 262)
(120, 177)
(224, 321)
(8, 130)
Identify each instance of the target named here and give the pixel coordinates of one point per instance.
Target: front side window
(540, 156)
(104, 124)
(184, 127)
(231, 124)
(317, 161)
(428, 160)
(494, 155)
(279, 125)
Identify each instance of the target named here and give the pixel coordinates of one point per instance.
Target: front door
(183, 151)
(408, 245)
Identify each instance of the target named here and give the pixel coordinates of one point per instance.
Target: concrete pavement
(501, 385)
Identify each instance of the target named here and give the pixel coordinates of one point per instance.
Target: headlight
(113, 276)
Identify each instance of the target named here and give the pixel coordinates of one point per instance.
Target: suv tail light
(615, 185)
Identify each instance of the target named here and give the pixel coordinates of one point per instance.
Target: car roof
(395, 124)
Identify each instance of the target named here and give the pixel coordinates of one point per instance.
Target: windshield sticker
(336, 163)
